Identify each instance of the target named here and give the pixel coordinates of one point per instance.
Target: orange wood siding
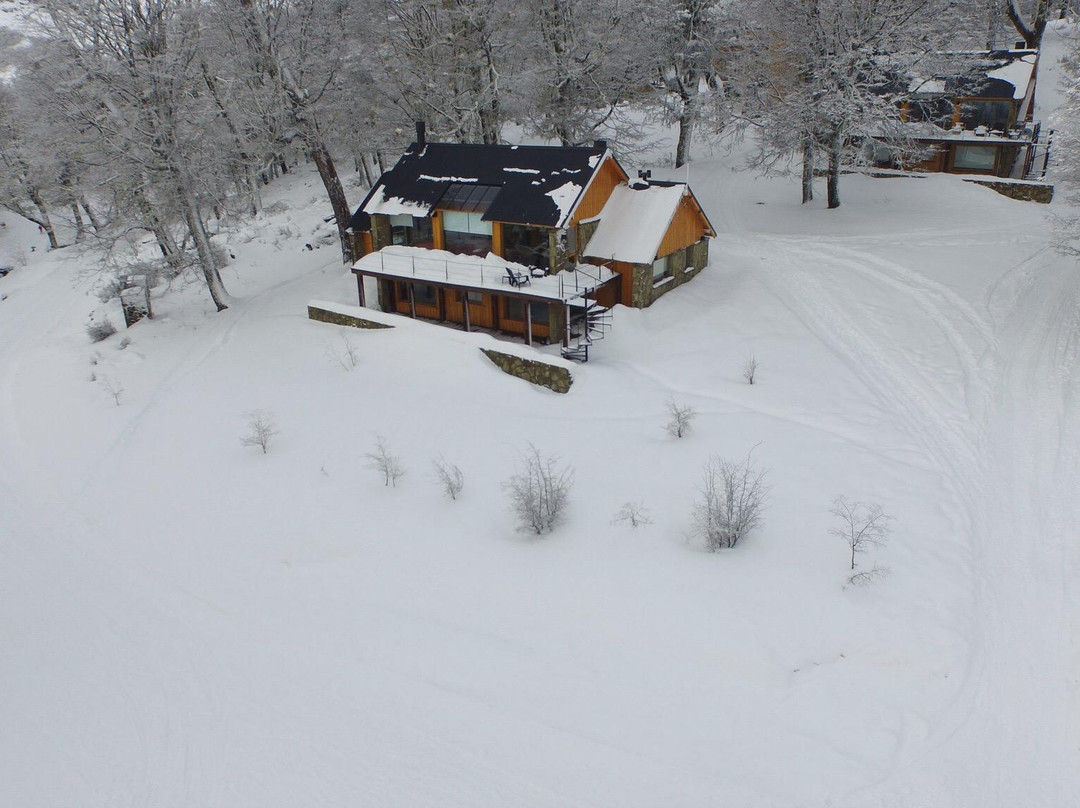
(540, 329)
(687, 227)
(497, 238)
(607, 177)
(481, 315)
(437, 231)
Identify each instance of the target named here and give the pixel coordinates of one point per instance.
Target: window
(975, 158)
(525, 245)
(515, 310)
(660, 269)
(425, 294)
(539, 312)
(466, 233)
(411, 231)
(475, 298)
(991, 114)
(468, 197)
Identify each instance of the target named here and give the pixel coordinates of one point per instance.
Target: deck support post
(360, 290)
(465, 306)
(566, 329)
(412, 302)
(528, 322)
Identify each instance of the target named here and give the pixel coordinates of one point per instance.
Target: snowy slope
(189, 622)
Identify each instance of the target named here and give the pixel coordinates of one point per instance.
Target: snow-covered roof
(1017, 73)
(481, 273)
(634, 222)
(534, 185)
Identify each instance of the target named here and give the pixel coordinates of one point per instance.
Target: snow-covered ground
(189, 622)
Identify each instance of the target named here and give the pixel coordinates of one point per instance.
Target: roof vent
(642, 182)
(600, 144)
(421, 134)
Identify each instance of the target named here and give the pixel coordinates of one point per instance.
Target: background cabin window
(539, 312)
(935, 110)
(660, 269)
(466, 233)
(475, 298)
(525, 245)
(411, 231)
(977, 158)
(515, 309)
(991, 114)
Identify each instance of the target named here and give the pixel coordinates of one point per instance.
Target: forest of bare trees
(163, 116)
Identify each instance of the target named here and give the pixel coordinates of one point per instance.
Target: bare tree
(344, 353)
(385, 462)
(680, 418)
(261, 429)
(449, 476)
(732, 497)
(632, 513)
(861, 525)
(113, 387)
(749, 370)
(539, 491)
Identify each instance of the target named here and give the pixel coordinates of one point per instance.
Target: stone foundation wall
(324, 316)
(532, 371)
(683, 264)
(1024, 191)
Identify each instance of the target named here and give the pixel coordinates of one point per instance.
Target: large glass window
(425, 294)
(411, 231)
(991, 114)
(466, 233)
(515, 310)
(525, 245)
(974, 158)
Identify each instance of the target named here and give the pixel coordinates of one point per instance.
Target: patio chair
(517, 278)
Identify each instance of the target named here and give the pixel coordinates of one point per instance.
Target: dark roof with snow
(537, 185)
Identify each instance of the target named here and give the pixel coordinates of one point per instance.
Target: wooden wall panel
(687, 227)
(607, 177)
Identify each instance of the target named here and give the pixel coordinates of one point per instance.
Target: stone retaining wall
(324, 316)
(532, 371)
(1024, 191)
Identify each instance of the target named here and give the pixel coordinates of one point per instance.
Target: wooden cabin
(535, 212)
(978, 122)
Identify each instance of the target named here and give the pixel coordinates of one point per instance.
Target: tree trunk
(202, 242)
(834, 170)
(808, 169)
(686, 132)
(80, 225)
(338, 201)
(94, 223)
(1033, 33)
(45, 221)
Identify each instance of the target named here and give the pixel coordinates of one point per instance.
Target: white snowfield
(188, 622)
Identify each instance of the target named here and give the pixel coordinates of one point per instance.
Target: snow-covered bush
(344, 353)
(449, 476)
(731, 499)
(99, 330)
(749, 371)
(539, 491)
(861, 525)
(112, 387)
(385, 462)
(261, 429)
(680, 417)
(632, 513)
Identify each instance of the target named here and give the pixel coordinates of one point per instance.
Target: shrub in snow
(450, 477)
(539, 491)
(113, 388)
(749, 371)
(344, 353)
(386, 463)
(100, 330)
(861, 525)
(633, 514)
(731, 499)
(680, 417)
(261, 429)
